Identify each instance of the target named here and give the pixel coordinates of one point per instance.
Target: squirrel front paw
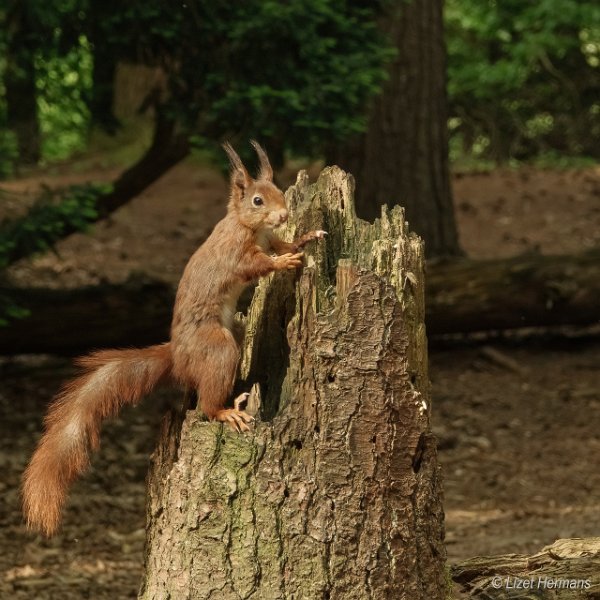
(319, 234)
(288, 261)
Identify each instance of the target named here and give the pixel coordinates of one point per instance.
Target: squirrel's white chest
(229, 306)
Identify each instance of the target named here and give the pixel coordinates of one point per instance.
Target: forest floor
(519, 444)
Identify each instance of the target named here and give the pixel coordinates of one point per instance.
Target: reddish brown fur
(62, 454)
(202, 353)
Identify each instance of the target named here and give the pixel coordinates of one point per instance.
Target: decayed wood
(462, 296)
(565, 570)
(336, 493)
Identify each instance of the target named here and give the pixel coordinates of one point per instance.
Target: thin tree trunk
(169, 146)
(105, 66)
(336, 493)
(19, 83)
(403, 156)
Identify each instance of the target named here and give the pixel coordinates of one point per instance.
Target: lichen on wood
(336, 492)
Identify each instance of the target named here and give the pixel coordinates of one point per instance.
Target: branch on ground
(568, 569)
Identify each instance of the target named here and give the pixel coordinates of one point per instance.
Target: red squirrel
(202, 353)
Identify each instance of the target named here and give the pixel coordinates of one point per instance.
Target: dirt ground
(519, 440)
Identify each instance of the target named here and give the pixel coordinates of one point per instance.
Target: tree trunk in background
(103, 77)
(105, 66)
(19, 83)
(336, 493)
(403, 156)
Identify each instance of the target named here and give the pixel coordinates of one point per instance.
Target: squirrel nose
(283, 216)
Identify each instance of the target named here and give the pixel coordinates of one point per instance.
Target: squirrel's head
(258, 203)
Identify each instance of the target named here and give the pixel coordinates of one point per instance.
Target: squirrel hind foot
(234, 417)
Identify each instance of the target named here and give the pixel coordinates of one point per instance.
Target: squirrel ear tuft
(266, 171)
(239, 174)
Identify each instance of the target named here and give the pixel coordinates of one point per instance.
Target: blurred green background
(523, 77)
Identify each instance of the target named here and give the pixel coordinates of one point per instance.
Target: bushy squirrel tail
(110, 379)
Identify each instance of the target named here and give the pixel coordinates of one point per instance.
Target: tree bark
(403, 156)
(569, 569)
(19, 83)
(101, 102)
(338, 494)
(462, 296)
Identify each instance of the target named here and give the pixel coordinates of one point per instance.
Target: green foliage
(523, 77)
(9, 311)
(295, 75)
(63, 69)
(44, 224)
(49, 35)
(63, 82)
(46, 221)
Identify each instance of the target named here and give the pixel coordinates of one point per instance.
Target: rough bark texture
(462, 296)
(569, 569)
(337, 495)
(403, 156)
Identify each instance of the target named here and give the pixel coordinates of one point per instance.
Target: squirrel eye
(257, 201)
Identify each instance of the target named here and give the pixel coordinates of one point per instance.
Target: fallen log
(568, 569)
(73, 321)
(462, 296)
(465, 296)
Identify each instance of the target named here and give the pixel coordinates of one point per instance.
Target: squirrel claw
(235, 418)
(289, 261)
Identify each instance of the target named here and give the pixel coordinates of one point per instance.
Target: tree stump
(336, 493)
